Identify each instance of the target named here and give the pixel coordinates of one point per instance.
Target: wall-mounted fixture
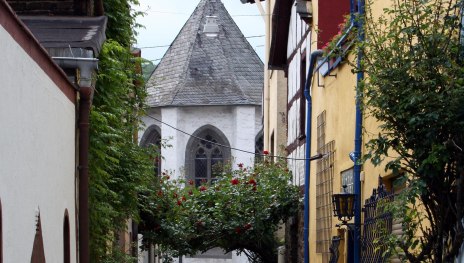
(305, 9)
(343, 205)
(211, 28)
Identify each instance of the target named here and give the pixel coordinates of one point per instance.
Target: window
(205, 157)
(66, 239)
(348, 180)
(259, 147)
(152, 138)
(302, 97)
(324, 190)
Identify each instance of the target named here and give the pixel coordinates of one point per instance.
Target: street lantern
(211, 28)
(343, 205)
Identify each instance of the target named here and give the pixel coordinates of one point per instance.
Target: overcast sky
(164, 19)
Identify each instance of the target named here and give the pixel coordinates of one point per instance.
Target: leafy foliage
(415, 88)
(241, 211)
(119, 168)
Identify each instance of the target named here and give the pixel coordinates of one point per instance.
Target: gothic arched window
(206, 157)
(259, 147)
(152, 137)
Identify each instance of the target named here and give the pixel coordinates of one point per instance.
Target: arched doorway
(66, 239)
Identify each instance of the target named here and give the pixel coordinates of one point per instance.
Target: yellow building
(296, 33)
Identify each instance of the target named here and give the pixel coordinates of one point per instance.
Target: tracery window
(152, 137)
(207, 156)
(259, 147)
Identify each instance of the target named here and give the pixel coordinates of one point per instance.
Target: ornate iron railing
(377, 225)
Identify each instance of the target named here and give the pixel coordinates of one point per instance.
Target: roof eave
(280, 28)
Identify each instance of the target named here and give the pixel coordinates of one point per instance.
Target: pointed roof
(201, 70)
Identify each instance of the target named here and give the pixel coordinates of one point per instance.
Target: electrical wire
(170, 45)
(315, 157)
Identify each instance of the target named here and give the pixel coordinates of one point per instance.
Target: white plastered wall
(239, 124)
(37, 164)
(297, 30)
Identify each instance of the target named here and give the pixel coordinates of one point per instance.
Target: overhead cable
(315, 157)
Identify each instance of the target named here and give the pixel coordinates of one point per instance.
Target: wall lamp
(343, 205)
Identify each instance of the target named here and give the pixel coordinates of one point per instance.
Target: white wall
(37, 164)
(240, 125)
(297, 29)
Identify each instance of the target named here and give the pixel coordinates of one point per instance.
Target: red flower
(240, 165)
(191, 182)
(238, 230)
(234, 181)
(184, 199)
(247, 226)
(175, 195)
(160, 193)
(266, 152)
(202, 188)
(252, 181)
(190, 192)
(179, 203)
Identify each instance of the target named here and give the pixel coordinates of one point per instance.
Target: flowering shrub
(241, 211)
(333, 48)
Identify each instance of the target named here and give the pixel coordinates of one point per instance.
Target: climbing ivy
(119, 168)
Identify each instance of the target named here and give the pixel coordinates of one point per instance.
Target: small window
(66, 240)
(302, 97)
(348, 180)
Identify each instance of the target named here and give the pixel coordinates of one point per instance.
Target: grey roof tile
(199, 70)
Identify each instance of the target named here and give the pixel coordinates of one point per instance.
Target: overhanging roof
(68, 32)
(280, 27)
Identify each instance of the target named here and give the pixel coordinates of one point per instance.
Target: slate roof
(200, 70)
(68, 32)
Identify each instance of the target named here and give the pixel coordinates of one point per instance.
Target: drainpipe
(358, 140)
(266, 89)
(307, 92)
(86, 67)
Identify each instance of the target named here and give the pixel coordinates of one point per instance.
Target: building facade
(48, 84)
(205, 103)
(38, 149)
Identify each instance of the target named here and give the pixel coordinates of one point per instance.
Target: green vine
(119, 168)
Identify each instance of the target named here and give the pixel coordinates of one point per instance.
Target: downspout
(307, 92)
(358, 138)
(86, 67)
(266, 88)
